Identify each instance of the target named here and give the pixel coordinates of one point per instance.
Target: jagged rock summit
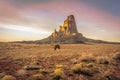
(68, 28)
(67, 33)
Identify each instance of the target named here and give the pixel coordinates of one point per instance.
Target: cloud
(36, 12)
(8, 11)
(82, 11)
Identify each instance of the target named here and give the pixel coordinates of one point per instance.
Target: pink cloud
(8, 10)
(10, 13)
(83, 11)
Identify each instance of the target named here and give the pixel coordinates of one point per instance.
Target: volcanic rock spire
(69, 25)
(68, 28)
(67, 33)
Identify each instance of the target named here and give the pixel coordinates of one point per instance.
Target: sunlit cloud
(26, 29)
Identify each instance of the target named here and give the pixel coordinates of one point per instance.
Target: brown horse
(57, 46)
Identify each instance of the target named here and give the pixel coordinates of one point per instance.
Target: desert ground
(72, 62)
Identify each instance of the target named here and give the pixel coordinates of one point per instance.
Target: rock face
(67, 33)
(68, 28)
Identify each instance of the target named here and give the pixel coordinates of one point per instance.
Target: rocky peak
(72, 24)
(68, 28)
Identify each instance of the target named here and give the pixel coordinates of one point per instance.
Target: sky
(36, 19)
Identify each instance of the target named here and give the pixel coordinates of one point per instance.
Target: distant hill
(68, 34)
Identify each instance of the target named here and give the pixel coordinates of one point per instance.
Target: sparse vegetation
(43, 71)
(88, 59)
(58, 66)
(36, 77)
(109, 76)
(77, 68)
(103, 60)
(73, 61)
(86, 71)
(22, 72)
(8, 77)
(90, 65)
(80, 69)
(58, 74)
(31, 67)
(116, 56)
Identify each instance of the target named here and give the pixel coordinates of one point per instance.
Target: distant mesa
(68, 34)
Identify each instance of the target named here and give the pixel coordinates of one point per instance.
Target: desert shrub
(58, 74)
(116, 56)
(58, 66)
(88, 59)
(43, 71)
(8, 77)
(36, 77)
(95, 70)
(89, 65)
(2, 75)
(86, 72)
(108, 75)
(77, 68)
(22, 72)
(31, 67)
(57, 77)
(111, 77)
(74, 61)
(69, 73)
(102, 60)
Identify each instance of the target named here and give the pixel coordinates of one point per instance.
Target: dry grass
(96, 59)
(116, 56)
(8, 77)
(88, 59)
(58, 74)
(103, 60)
(36, 77)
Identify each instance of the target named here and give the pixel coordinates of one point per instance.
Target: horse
(57, 46)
